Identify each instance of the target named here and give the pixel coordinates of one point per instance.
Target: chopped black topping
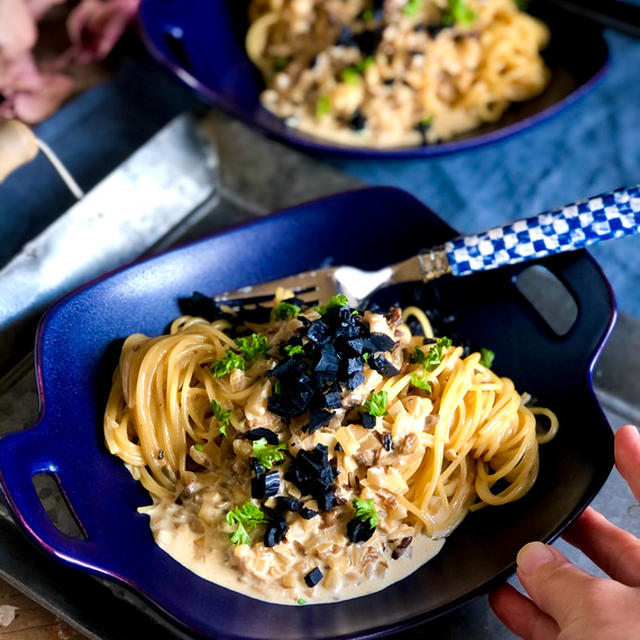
(312, 473)
(368, 421)
(358, 121)
(313, 577)
(383, 366)
(160, 454)
(387, 441)
(355, 380)
(265, 485)
(318, 418)
(381, 342)
(284, 503)
(359, 531)
(277, 528)
(201, 306)
(334, 358)
(338, 448)
(256, 467)
(332, 398)
(270, 436)
(389, 81)
(307, 513)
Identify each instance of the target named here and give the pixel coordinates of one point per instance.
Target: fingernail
(533, 555)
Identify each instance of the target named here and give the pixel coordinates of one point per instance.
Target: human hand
(567, 603)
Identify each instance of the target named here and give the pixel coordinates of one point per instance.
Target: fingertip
(627, 456)
(534, 555)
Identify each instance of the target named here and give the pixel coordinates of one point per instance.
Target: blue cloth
(591, 147)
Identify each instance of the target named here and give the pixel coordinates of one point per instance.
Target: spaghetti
(394, 72)
(320, 442)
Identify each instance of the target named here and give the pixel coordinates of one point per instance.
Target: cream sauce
(216, 564)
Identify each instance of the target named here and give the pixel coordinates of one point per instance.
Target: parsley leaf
(366, 511)
(198, 447)
(286, 310)
(433, 358)
(323, 106)
(365, 356)
(253, 346)
(418, 356)
(221, 415)
(487, 357)
(459, 13)
(301, 601)
(231, 360)
(412, 7)
(376, 404)
(292, 349)
(350, 76)
(268, 454)
(335, 301)
(419, 382)
(247, 518)
(277, 387)
(426, 121)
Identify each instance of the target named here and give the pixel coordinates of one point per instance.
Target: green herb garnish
(376, 404)
(412, 7)
(292, 349)
(280, 63)
(350, 76)
(301, 601)
(419, 382)
(268, 454)
(426, 121)
(231, 360)
(198, 447)
(335, 301)
(247, 518)
(363, 65)
(253, 346)
(366, 511)
(286, 310)
(277, 387)
(487, 357)
(432, 359)
(365, 356)
(459, 13)
(523, 5)
(323, 106)
(221, 415)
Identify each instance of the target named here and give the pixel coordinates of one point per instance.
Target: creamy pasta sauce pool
(214, 561)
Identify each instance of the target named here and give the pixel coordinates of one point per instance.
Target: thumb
(556, 585)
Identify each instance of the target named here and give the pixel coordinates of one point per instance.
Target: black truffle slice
(307, 513)
(368, 421)
(270, 436)
(313, 577)
(265, 485)
(285, 503)
(383, 366)
(359, 531)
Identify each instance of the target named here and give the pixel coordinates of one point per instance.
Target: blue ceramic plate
(202, 43)
(78, 346)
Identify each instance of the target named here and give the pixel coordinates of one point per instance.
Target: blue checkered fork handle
(578, 225)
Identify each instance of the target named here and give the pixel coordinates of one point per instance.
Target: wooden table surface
(31, 621)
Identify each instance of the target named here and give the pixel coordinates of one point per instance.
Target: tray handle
(27, 453)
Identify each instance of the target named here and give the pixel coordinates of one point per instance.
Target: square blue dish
(78, 346)
(203, 44)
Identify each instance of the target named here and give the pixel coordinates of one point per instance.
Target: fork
(609, 215)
